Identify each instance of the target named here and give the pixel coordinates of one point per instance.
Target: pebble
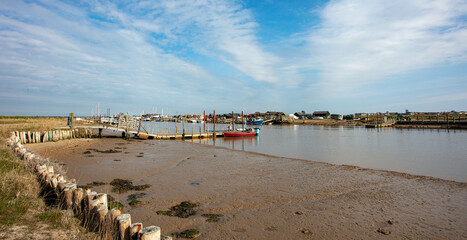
(306, 232)
(384, 231)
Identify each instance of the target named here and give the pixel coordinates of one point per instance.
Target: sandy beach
(265, 197)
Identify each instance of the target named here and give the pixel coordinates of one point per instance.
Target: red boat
(240, 133)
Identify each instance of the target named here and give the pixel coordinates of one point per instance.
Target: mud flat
(241, 195)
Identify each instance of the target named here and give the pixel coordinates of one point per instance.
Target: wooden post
(102, 198)
(183, 125)
(150, 233)
(134, 229)
(124, 222)
(243, 123)
(92, 217)
(214, 124)
(127, 132)
(176, 128)
(101, 212)
(77, 199)
(204, 121)
(68, 195)
(233, 121)
(139, 127)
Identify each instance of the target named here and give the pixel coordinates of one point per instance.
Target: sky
(186, 56)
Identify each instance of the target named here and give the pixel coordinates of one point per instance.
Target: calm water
(436, 153)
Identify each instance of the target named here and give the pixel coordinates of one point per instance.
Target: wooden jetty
(129, 127)
(381, 125)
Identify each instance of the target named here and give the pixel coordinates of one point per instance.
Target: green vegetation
(182, 210)
(20, 204)
(189, 234)
(212, 217)
(133, 199)
(123, 185)
(114, 204)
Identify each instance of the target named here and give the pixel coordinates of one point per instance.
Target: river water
(428, 152)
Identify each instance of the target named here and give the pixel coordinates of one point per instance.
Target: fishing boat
(246, 133)
(255, 121)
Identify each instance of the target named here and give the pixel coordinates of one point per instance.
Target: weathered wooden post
(101, 212)
(127, 136)
(233, 121)
(77, 199)
(243, 123)
(102, 198)
(139, 127)
(100, 132)
(134, 229)
(112, 217)
(183, 125)
(150, 233)
(124, 222)
(204, 121)
(214, 125)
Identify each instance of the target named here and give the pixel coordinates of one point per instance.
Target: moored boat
(250, 132)
(255, 121)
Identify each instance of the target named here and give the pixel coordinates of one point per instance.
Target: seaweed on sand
(189, 234)
(123, 185)
(182, 210)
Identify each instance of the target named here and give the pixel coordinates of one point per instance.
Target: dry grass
(22, 211)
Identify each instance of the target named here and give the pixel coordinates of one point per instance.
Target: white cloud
(360, 42)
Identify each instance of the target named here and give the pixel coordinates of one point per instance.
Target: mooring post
(243, 123)
(127, 132)
(183, 125)
(139, 127)
(214, 124)
(204, 121)
(233, 121)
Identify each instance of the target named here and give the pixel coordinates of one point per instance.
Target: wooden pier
(129, 127)
(381, 125)
(181, 135)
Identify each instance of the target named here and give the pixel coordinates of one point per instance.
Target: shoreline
(287, 198)
(409, 175)
(357, 123)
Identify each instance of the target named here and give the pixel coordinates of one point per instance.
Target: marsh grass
(20, 203)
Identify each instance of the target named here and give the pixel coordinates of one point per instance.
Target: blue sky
(343, 56)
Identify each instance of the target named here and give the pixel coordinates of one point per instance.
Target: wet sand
(266, 197)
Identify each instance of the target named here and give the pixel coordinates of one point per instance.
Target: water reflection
(429, 152)
(238, 143)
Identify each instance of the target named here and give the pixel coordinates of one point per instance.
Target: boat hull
(259, 122)
(239, 134)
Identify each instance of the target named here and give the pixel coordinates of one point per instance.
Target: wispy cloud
(132, 54)
(360, 42)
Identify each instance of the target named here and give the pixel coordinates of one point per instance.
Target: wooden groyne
(53, 135)
(87, 205)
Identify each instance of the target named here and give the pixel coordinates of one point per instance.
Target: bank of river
(266, 197)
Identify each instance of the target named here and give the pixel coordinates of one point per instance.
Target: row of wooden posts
(53, 135)
(184, 132)
(89, 206)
